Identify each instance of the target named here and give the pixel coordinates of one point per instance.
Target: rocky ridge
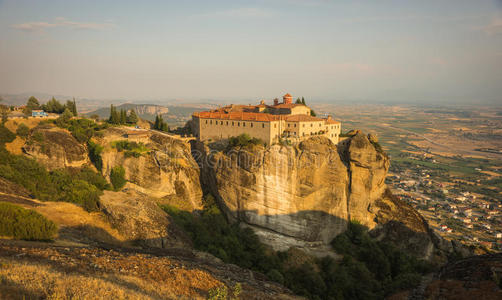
(305, 195)
(166, 171)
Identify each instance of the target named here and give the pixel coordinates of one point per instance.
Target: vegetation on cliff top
(82, 187)
(26, 224)
(244, 140)
(117, 177)
(130, 148)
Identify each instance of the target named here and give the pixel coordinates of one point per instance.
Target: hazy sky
(440, 50)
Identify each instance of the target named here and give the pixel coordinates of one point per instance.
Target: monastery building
(270, 123)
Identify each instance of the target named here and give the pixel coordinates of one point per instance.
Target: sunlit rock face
(298, 195)
(55, 148)
(166, 170)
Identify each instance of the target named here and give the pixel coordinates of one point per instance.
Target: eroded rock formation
(55, 148)
(166, 170)
(298, 195)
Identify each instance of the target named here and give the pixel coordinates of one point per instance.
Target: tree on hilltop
(64, 118)
(303, 101)
(53, 106)
(31, 105)
(114, 115)
(132, 118)
(298, 101)
(123, 116)
(160, 124)
(72, 106)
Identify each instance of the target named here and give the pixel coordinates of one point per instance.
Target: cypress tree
(303, 101)
(123, 116)
(156, 124)
(114, 115)
(164, 127)
(298, 101)
(74, 107)
(132, 118)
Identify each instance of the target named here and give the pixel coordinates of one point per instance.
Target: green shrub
(22, 130)
(218, 293)
(383, 263)
(81, 128)
(79, 187)
(95, 151)
(276, 276)
(6, 136)
(368, 270)
(19, 223)
(133, 149)
(243, 140)
(88, 175)
(117, 177)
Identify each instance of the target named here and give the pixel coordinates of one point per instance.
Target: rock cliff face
(301, 195)
(167, 170)
(139, 219)
(298, 196)
(55, 148)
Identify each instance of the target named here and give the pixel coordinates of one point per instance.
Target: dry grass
(30, 122)
(35, 271)
(21, 280)
(70, 215)
(15, 147)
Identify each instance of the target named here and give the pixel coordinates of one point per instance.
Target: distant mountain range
(172, 114)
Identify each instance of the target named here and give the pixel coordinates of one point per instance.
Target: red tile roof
(303, 118)
(286, 105)
(331, 121)
(261, 117)
(287, 95)
(239, 116)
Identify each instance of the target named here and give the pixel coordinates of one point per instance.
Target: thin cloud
(62, 23)
(244, 12)
(494, 28)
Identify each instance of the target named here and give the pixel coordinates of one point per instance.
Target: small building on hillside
(38, 113)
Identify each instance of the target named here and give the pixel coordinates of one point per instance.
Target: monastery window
(311, 125)
(275, 125)
(331, 135)
(206, 121)
(232, 123)
(303, 125)
(239, 124)
(295, 124)
(221, 122)
(251, 124)
(211, 122)
(243, 124)
(262, 125)
(288, 125)
(227, 123)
